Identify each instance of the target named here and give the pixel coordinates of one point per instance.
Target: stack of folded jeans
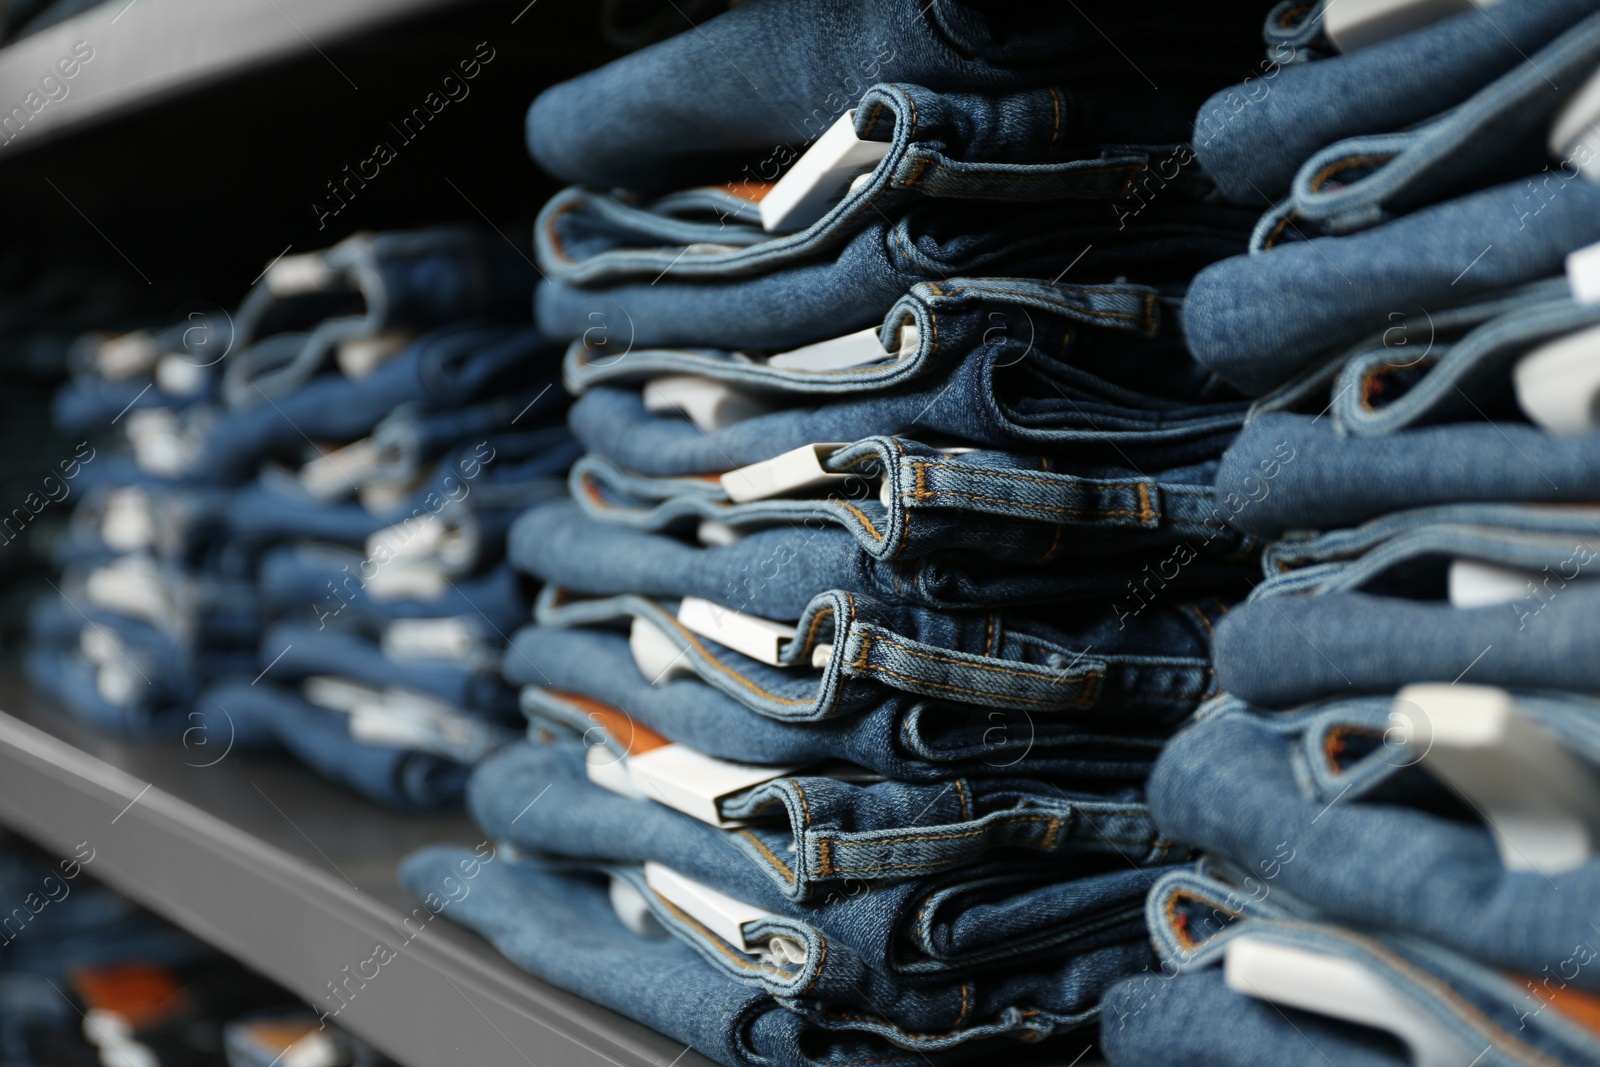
(1398, 797)
(892, 562)
(295, 535)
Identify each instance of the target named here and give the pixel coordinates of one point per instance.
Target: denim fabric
(1349, 824)
(1021, 508)
(369, 283)
(567, 674)
(686, 111)
(1089, 663)
(181, 525)
(1260, 319)
(555, 921)
(1378, 620)
(923, 929)
(1434, 373)
(852, 287)
(444, 369)
(261, 714)
(474, 492)
(1040, 407)
(809, 838)
(1252, 138)
(1491, 137)
(1299, 472)
(776, 573)
(1112, 336)
(322, 583)
(1515, 534)
(943, 146)
(294, 652)
(189, 607)
(1403, 554)
(1195, 916)
(1195, 1019)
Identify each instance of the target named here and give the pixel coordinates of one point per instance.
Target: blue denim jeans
(776, 573)
(686, 110)
(1261, 319)
(327, 585)
(1252, 137)
(555, 921)
(942, 146)
(1112, 336)
(1322, 804)
(1488, 138)
(1008, 506)
(445, 369)
(265, 716)
(851, 652)
(141, 680)
(1187, 1014)
(1452, 366)
(854, 285)
(874, 925)
(474, 492)
(1000, 398)
(364, 285)
(816, 842)
(1368, 605)
(566, 673)
(292, 652)
(1301, 472)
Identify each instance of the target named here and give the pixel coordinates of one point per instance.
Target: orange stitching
(788, 874)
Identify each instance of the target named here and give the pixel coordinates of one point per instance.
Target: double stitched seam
(1326, 173)
(1060, 527)
(992, 667)
(1088, 680)
(729, 671)
(783, 868)
(721, 946)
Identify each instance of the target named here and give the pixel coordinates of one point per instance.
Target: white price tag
(821, 177)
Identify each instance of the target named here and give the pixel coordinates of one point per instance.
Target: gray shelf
(145, 50)
(296, 877)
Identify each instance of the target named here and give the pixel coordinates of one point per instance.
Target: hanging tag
(694, 783)
(1475, 584)
(1541, 801)
(176, 376)
(797, 469)
(1575, 128)
(859, 349)
(821, 176)
(725, 916)
(609, 771)
(129, 522)
(659, 659)
(714, 534)
(752, 635)
(1352, 24)
(449, 639)
(358, 357)
(709, 404)
(294, 275)
(1583, 273)
(340, 471)
(337, 694)
(1558, 383)
(633, 911)
(397, 582)
(119, 358)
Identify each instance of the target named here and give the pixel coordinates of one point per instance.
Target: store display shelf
(295, 876)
